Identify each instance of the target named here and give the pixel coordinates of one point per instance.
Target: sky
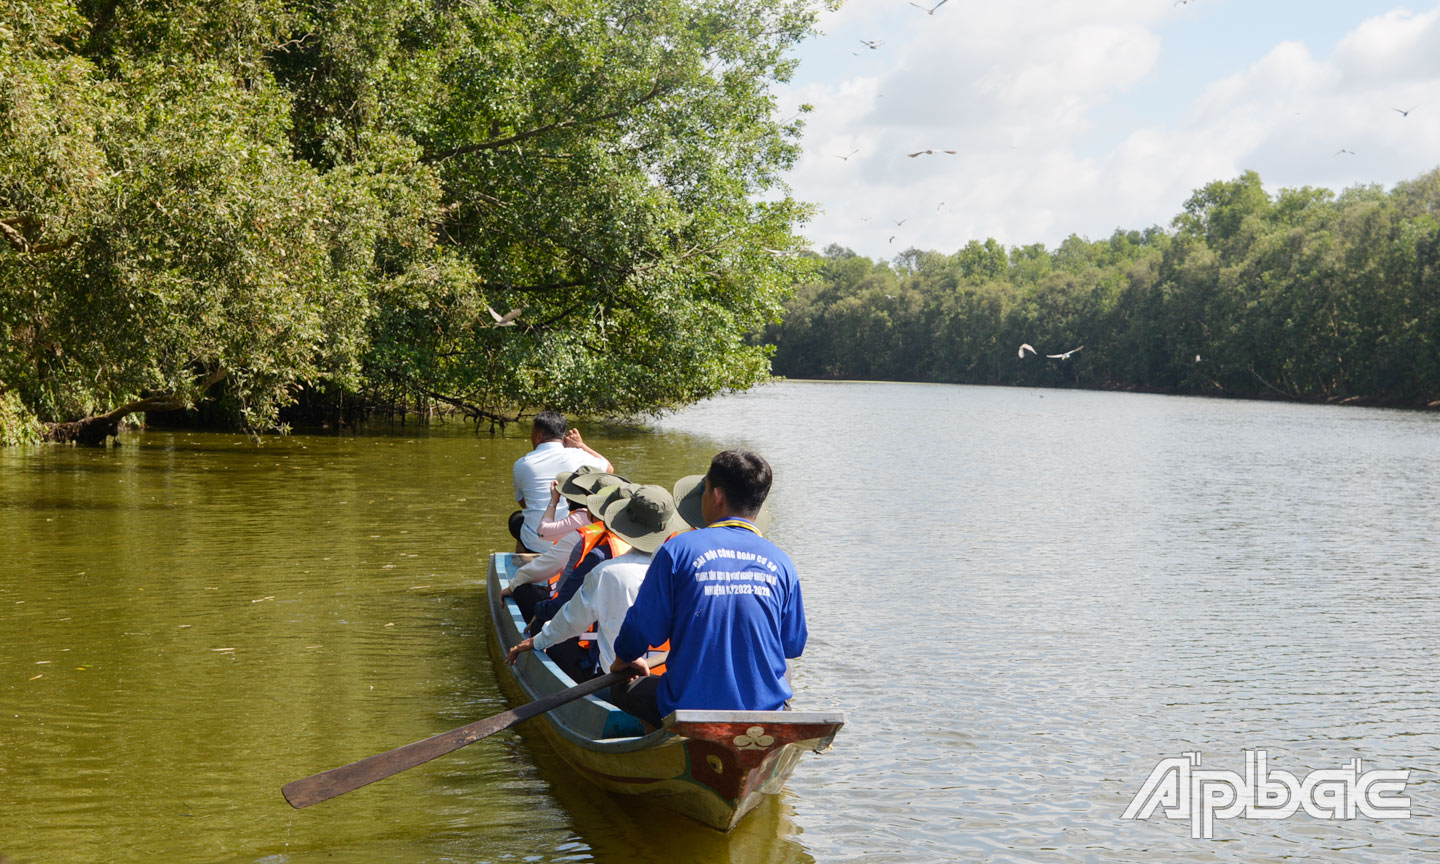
(1084, 116)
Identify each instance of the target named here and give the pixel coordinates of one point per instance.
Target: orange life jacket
(590, 537)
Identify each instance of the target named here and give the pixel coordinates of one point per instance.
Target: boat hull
(713, 766)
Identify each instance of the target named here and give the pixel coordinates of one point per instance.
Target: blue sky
(1080, 117)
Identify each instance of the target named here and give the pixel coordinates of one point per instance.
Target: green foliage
(1306, 294)
(17, 424)
(247, 198)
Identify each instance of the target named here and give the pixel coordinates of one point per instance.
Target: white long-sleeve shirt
(549, 562)
(603, 599)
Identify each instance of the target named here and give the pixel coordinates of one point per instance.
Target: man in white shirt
(644, 519)
(556, 449)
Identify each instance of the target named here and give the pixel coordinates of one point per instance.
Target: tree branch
(553, 286)
(470, 409)
(16, 239)
(1268, 384)
(92, 431)
(497, 143)
(20, 243)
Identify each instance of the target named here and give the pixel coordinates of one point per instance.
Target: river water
(1023, 600)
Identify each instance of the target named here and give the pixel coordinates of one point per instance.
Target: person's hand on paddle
(520, 648)
(638, 667)
(506, 592)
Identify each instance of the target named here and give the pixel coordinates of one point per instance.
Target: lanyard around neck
(735, 523)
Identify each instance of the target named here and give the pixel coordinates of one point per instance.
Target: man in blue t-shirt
(726, 598)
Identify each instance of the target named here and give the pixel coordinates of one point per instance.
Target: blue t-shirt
(729, 602)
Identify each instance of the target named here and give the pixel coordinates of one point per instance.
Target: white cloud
(1029, 93)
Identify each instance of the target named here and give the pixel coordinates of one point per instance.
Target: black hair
(550, 424)
(745, 477)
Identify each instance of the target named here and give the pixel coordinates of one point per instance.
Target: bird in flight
(931, 10)
(899, 222)
(1405, 112)
(846, 157)
(1025, 346)
(872, 44)
(506, 320)
(892, 238)
(1066, 355)
(930, 152)
(1342, 151)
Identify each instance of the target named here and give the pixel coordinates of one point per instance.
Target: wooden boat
(713, 766)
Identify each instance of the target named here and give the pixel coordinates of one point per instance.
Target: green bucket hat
(596, 501)
(577, 486)
(688, 491)
(644, 517)
(566, 478)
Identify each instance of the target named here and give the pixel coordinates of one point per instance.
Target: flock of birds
(875, 44)
(1403, 112)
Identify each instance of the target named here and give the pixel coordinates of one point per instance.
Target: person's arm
(571, 578)
(554, 500)
(793, 632)
(573, 439)
(555, 529)
(549, 562)
(649, 620)
(576, 616)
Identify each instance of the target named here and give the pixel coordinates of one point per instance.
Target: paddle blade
(347, 778)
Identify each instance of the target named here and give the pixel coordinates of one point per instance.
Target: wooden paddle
(347, 778)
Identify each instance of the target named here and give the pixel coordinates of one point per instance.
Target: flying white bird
(1066, 355)
(872, 44)
(846, 157)
(1025, 347)
(930, 152)
(931, 10)
(506, 320)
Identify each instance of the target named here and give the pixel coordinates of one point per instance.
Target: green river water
(1021, 599)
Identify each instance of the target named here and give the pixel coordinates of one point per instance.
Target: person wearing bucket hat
(597, 544)
(574, 486)
(689, 490)
(536, 582)
(556, 448)
(721, 585)
(644, 518)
